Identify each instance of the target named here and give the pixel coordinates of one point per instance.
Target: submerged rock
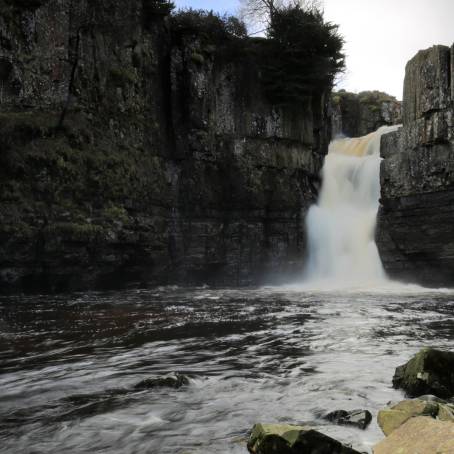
(429, 372)
(175, 381)
(288, 439)
(357, 418)
(422, 435)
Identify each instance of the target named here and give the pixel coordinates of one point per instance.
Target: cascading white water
(341, 227)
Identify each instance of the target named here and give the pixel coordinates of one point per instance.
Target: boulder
(429, 372)
(288, 439)
(356, 418)
(422, 435)
(175, 381)
(391, 418)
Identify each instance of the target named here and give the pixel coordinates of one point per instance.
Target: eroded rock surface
(134, 152)
(415, 233)
(391, 418)
(356, 115)
(421, 435)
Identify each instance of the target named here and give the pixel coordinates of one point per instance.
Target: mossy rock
(198, 58)
(430, 371)
(419, 435)
(392, 418)
(122, 77)
(289, 439)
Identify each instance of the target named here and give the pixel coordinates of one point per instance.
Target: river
(68, 364)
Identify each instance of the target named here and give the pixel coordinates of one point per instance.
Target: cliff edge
(415, 232)
(132, 150)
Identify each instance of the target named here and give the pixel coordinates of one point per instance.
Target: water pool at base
(68, 364)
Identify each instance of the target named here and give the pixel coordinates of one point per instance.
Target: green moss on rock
(430, 371)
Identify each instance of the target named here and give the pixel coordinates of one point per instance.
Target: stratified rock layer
(356, 115)
(416, 220)
(134, 152)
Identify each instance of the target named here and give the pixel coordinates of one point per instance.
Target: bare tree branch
(257, 14)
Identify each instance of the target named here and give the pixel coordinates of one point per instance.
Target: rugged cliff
(131, 151)
(355, 115)
(416, 219)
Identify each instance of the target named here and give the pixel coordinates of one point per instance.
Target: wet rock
(415, 231)
(419, 435)
(195, 178)
(432, 398)
(175, 381)
(391, 418)
(288, 439)
(429, 372)
(357, 418)
(355, 115)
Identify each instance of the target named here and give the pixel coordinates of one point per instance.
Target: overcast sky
(381, 35)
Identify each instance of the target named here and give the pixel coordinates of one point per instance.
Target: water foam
(341, 226)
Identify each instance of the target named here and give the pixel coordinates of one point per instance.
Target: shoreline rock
(422, 435)
(430, 371)
(289, 439)
(356, 418)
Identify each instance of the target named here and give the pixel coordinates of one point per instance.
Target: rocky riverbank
(424, 425)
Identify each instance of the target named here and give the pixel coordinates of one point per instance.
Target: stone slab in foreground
(288, 439)
(421, 435)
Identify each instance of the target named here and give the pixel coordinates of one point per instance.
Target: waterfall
(341, 226)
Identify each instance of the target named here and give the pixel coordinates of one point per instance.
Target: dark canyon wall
(355, 115)
(416, 220)
(129, 152)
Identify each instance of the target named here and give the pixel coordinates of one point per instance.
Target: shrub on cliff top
(208, 25)
(158, 7)
(305, 54)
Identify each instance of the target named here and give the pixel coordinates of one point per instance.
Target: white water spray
(341, 227)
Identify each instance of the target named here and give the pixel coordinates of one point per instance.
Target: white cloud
(382, 35)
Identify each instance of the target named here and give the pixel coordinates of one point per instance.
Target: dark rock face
(355, 115)
(131, 154)
(415, 232)
(429, 372)
(356, 418)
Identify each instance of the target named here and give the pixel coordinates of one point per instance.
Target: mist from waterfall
(341, 226)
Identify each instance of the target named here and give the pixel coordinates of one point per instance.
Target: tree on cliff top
(258, 14)
(304, 54)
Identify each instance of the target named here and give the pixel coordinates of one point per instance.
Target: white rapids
(341, 226)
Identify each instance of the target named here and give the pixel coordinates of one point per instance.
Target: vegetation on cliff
(301, 54)
(114, 134)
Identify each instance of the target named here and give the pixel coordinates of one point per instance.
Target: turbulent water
(69, 364)
(341, 227)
